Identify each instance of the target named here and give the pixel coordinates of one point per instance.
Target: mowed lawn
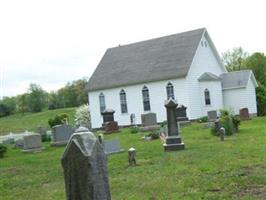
(30, 121)
(207, 169)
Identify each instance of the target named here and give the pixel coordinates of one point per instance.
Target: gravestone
(32, 143)
(41, 130)
(61, 134)
(244, 114)
(132, 119)
(19, 143)
(112, 146)
(181, 113)
(212, 115)
(148, 119)
(85, 168)
(132, 156)
(109, 124)
(173, 140)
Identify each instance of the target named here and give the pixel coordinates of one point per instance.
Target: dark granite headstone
(109, 124)
(61, 134)
(85, 168)
(108, 115)
(181, 113)
(148, 119)
(244, 114)
(173, 140)
(112, 146)
(212, 115)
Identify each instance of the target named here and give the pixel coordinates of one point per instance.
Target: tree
(234, 60)
(37, 98)
(22, 103)
(257, 63)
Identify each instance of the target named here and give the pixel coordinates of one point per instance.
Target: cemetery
(208, 167)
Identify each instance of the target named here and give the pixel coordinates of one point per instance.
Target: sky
(52, 42)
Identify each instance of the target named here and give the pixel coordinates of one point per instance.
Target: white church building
(137, 78)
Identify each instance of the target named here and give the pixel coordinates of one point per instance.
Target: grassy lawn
(30, 121)
(207, 169)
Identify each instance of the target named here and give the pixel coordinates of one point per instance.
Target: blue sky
(51, 42)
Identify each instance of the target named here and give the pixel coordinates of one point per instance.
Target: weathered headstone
(173, 140)
(19, 143)
(109, 124)
(61, 134)
(41, 130)
(212, 115)
(148, 119)
(244, 114)
(132, 119)
(132, 156)
(181, 113)
(112, 146)
(85, 168)
(222, 133)
(32, 143)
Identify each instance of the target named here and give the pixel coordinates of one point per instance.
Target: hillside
(30, 121)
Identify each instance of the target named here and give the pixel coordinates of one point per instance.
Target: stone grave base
(149, 128)
(173, 143)
(184, 123)
(110, 127)
(35, 150)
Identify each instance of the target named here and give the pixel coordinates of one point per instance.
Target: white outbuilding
(137, 78)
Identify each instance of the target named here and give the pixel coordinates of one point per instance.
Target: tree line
(238, 59)
(36, 99)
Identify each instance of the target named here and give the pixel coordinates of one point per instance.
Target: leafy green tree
(257, 63)
(234, 60)
(22, 103)
(37, 98)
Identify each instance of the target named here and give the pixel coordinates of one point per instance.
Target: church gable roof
(152, 60)
(207, 76)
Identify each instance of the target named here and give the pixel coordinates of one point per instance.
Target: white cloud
(55, 41)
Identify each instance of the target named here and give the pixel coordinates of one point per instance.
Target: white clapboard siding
(157, 92)
(236, 99)
(204, 61)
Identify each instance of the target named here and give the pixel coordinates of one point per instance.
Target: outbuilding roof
(152, 60)
(237, 79)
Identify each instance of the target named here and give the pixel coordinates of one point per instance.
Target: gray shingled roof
(207, 76)
(152, 60)
(237, 79)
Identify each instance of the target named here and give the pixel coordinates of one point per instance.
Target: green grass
(206, 169)
(30, 121)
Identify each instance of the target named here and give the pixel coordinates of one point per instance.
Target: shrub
(134, 129)
(202, 119)
(3, 150)
(228, 121)
(46, 138)
(154, 135)
(82, 116)
(236, 121)
(58, 119)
